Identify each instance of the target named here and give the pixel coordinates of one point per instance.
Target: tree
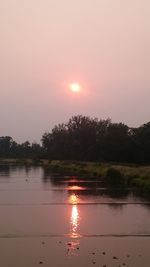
(141, 137)
(5, 145)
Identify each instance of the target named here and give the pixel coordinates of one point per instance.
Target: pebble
(115, 258)
(40, 262)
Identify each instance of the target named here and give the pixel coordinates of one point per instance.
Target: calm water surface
(59, 220)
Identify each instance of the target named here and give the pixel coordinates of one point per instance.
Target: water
(59, 220)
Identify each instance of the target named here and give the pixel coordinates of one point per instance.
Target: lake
(54, 219)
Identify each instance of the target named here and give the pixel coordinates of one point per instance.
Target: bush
(114, 178)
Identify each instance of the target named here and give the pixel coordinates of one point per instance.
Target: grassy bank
(113, 175)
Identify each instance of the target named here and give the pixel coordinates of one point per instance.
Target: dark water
(58, 220)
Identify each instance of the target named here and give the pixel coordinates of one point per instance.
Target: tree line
(86, 139)
(11, 149)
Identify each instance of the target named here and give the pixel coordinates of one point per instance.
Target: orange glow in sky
(75, 87)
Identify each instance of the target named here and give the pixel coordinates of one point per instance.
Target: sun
(75, 87)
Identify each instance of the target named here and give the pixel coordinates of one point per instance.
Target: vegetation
(11, 149)
(75, 145)
(86, 139)
(112, 175)
(114, 178)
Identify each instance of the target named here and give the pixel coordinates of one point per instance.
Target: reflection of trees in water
(5, 170)
(20, 168)
(51, 178)
(8, 169)
(117, 193)
(116, 206)
(24, 168)
(83, 186)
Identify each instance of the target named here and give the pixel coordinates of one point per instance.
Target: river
(62, 220)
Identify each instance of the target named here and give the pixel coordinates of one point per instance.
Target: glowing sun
(75, 87)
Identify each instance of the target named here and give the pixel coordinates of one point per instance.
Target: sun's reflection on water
(73, 245)
(76, 187)
(74, 221)
(73, 199)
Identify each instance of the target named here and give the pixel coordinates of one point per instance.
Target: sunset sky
(46, 46)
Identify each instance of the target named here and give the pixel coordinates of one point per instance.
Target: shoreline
(113, 175)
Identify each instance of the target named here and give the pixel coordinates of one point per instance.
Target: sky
(104, 45)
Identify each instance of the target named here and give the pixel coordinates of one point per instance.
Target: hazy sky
(46, 44)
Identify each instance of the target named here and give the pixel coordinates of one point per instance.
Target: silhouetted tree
(142, 141)
(5, 145)
(10, 148)
(85, 138)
